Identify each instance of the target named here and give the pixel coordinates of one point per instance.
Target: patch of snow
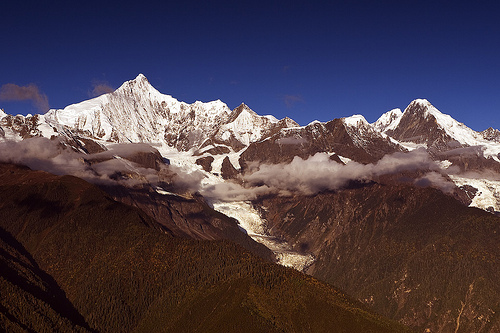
(271, 118)
(311, 123)
(488, 194)
(412, 146)
(444, 164)
(10, 135)
(344, 160)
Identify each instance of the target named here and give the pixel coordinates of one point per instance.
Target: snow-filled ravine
(250, 220)
(247, 216)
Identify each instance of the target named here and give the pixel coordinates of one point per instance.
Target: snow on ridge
(137, 112)
(457, 130)
(355, 120)
(312, 123)
(421, 101)
(247, 127)
(271, 118)
(388, 121)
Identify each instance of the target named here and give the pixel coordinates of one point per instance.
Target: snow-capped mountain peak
(388, 120)
(245, 126)
(137, 112)
(356, 120)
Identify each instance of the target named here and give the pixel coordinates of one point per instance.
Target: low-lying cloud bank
(303, 176)
(319, 173)
(52, 156)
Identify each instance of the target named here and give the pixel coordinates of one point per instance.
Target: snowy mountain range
(329, 198)
(137, 113)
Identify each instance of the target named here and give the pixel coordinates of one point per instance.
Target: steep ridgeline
(421, 123)
(352, 138)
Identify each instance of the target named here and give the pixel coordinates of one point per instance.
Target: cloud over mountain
(319, 173)
(13, 92)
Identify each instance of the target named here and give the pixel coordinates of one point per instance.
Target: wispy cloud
(99, 88)
(13, 92)
(291, 100)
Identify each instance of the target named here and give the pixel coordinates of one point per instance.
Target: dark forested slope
(124, 272)
(417, 255)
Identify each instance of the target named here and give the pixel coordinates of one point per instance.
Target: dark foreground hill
(415, 254)
(31, 299)
(113, 269)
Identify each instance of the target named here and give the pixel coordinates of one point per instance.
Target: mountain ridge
(289, 187)
(137, 112)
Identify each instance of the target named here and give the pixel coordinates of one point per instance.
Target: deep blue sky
(299, 59)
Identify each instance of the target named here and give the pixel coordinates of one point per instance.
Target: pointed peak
(388, 120)
(422, 107)
(139, 83)
(242, 108)
(491, 134)
(421, 101)
(140, 79)
(289, 122)
(355, 120)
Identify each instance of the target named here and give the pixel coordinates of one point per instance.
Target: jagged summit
(422, 123)
(140, 77)
(355, 120)
(242, 109)
(388, 120)
(138, 112)
(423, 108)
(491, 134)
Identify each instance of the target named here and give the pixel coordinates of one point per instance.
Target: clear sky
(304, 59)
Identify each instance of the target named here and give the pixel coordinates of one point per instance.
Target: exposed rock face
(491, 134)
(142, 155)
(25, 127)
(188, 217)
(205, 162)
(88, 146)
(364, 146)
(419, 126)
(228, 171)
(415, 254)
